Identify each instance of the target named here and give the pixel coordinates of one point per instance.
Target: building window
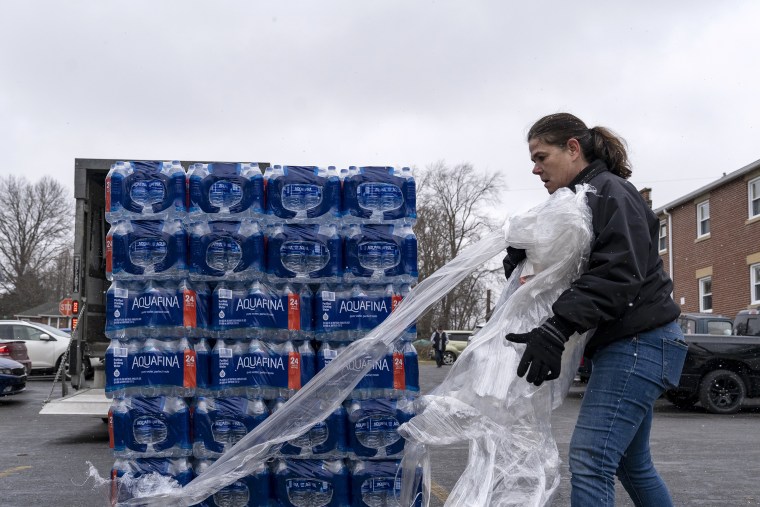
(755, 283)
(754, 198)
(663, 244)
(703, 219)
(705, 294)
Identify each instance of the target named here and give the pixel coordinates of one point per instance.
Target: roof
(715, 184)
(45, 309)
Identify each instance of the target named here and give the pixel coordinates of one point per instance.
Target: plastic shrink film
(513, 458)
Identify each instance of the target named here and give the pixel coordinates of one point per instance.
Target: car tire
(449, 357)
(722, 392)
(684, 401)
(65, 370)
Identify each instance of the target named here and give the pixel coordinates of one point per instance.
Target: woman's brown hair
(596, 143)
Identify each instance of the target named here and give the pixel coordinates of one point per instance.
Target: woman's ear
(574, 147)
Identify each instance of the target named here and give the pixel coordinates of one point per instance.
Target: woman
(623, 300)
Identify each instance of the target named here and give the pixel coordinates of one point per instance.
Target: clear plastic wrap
(513, 459)
(505, 418)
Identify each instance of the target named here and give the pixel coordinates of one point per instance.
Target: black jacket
(625, 289)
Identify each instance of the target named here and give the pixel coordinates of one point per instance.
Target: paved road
(707, 460)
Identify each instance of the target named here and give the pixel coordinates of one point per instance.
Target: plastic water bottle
(412, 369)
(118, 426)
(306, 297)
(258, 384)
(117, 369)
(331, 324)
(290, 362)
(114, 191)
(308, 362)
(226, 380)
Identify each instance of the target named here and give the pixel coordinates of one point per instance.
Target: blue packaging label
(158, 368)
(224, 370)
(119, 375)
(225, 314)
(264, 311)
(337, 313)
(265, 369)
(147, 251)
(379, 377)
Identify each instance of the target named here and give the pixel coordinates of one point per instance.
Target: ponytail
(596, 143)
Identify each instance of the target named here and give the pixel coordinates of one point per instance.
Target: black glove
(514, 257)
(543, 353)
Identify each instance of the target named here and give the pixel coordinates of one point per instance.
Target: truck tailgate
(85, 402)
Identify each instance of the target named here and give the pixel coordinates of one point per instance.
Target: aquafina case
(380, 253)
(379, 194)
(373, 427)
(261, 310)
(225, 250)
(220, 423)
(149, 427)
(145, 190)
(157, 308)
(146, 249)
(126, 475)
(304, 194)
(225, 191)
(325, 440)
(150, 367)
(304, 253)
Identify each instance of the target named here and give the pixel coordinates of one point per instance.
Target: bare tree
(451, 214)
(35, 224)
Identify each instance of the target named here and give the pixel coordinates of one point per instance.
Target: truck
(89, 286)
(721, 369)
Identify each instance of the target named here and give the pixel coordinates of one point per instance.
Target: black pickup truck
(721, 369)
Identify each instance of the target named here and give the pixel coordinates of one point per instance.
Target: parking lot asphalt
(707, 460)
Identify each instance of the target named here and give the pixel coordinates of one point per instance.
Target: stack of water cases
(154, 316)
(224, 283)
(352, 458)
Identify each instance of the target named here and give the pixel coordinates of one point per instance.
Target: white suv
(44, 344)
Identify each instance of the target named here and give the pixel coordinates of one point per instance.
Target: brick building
(710, 244)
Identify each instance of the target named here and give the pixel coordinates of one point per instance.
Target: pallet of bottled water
(231, 289)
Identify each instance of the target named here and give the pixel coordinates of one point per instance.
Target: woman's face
(555, 166)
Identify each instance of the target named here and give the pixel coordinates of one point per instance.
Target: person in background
(439, 339)
(623, 301)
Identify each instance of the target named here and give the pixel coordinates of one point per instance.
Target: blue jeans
(611, 436)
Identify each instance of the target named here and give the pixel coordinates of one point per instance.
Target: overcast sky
(379, 82)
